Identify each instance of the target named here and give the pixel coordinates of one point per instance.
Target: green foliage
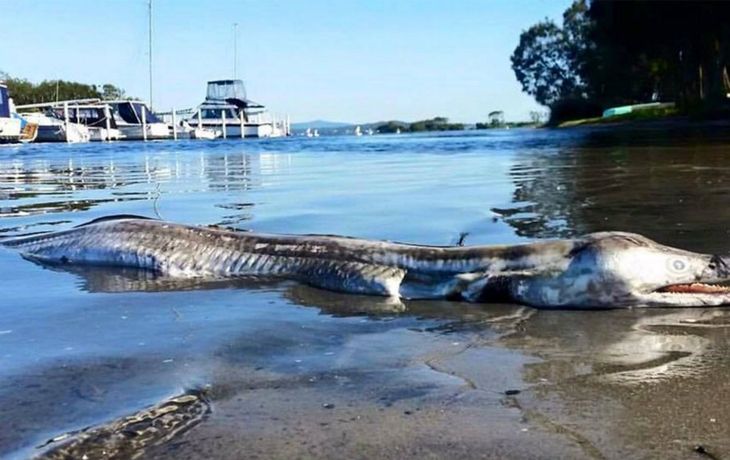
(611, 52)
(391, 127)
(110, 92)
(671, 51)
(433, 124)
(25, 92)
(544, 63)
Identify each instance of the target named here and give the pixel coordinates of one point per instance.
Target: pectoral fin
(354, 277)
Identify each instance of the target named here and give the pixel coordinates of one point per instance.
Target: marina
(225, 113)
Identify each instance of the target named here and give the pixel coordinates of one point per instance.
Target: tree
(536, 117)
(25, 92)
(684, 60)
(544, 64)
(110, 92)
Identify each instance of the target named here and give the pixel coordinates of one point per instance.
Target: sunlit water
(82, 346)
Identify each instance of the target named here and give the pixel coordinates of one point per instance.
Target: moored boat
(227, 110)
(10, 126)
(136, 121)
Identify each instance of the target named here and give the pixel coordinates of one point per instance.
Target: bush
(573, 109)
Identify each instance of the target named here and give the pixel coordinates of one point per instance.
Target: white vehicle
(10, 126)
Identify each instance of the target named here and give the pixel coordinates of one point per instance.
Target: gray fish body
(547, 274)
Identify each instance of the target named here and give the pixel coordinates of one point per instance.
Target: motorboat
(136, 121)
(227, 110)
(53, 129)
(98, 119)
(10, 126)
(80, 120)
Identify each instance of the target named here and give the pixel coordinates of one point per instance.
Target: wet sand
(507, 383)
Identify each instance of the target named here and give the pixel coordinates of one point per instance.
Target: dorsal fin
(114, 217)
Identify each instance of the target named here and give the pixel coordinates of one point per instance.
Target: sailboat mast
(150, 49)
(235, 50)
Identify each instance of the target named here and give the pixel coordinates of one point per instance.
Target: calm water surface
(83, 346)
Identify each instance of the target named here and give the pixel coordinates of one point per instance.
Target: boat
(53, 129)
(227, 110)
(28, 131)
(72, 121)
(10, 126)
(136, 121)
(315, 133)
(203, 133)
(358, 131)
(98, 120)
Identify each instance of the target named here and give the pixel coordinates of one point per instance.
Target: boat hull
(9, 130)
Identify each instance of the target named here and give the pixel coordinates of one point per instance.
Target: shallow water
(83, 346)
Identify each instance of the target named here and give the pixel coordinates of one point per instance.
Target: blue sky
(344, 60)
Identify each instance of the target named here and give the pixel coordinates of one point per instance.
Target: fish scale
(179, 250)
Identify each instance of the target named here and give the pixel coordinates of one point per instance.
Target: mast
(235, 50)
(150, 49)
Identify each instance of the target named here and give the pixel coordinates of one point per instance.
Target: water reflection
(34, 188)
(672, 194)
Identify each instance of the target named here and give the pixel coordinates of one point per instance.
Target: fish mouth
(694, 288)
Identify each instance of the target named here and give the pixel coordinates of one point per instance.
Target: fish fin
(492, 288)
(355, 277)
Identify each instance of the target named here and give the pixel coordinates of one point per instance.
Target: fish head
(616, 269)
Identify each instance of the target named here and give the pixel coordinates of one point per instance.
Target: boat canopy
(87, 116)
(222, 90)
(213, 113)
(4, 102)
(131, 112)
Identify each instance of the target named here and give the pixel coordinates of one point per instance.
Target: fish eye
(678, 265)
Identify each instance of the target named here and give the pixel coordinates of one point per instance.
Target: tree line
(432, 124)
(610, 52)
(26, 92)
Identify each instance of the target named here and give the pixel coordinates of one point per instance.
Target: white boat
(72, 121)
(358, 131)
(52, 129)
(315, 133)
(309, 132)
(227, 110)
(204, 133)
(136, 121)
(98, 120)
(10, 126)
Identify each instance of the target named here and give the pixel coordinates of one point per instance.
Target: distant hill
(319, 124)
